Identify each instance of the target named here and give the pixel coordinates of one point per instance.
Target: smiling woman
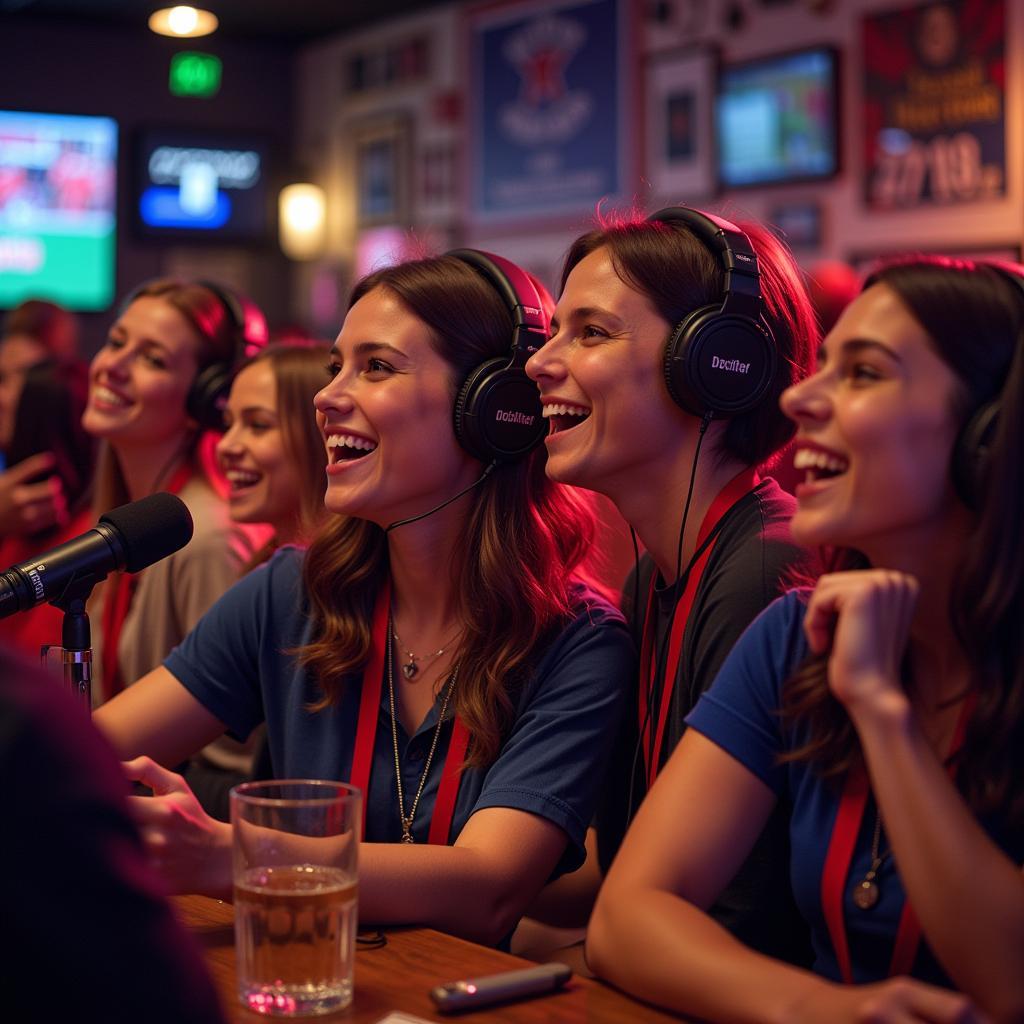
(150, 389)
(899, 746)
(272, 453)
(437, 645)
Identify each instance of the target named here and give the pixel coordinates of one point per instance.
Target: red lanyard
(120, 590)
(366, 733)
(738, 487)
(840, 854)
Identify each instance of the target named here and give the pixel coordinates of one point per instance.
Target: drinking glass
(295, 847)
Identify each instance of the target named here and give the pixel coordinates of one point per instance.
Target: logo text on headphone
(732, 365)
(510, 416)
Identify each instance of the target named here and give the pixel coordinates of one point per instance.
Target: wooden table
(398, 976)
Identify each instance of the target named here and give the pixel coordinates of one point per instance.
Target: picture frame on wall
(680, 148)
(550, 110)
(798, 224)
(382, 150)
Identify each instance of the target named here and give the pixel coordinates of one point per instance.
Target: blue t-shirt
(740, 714)
(236, 662)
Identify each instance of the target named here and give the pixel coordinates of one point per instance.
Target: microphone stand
(76, 640)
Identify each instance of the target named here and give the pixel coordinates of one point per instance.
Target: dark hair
(677, 272)
(52, 326)
(974, 318)
(48, 419)
(525, 542)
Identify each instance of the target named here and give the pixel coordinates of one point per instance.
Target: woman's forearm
(664, 950)
(967, 894)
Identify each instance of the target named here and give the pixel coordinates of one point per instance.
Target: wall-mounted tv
(777, 119)
(201, 184)
(58, 178)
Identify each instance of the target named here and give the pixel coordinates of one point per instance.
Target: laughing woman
(641, 411)
(438, 622)
(272, 453)
(900, 680)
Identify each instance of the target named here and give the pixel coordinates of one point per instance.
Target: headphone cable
(444, 504)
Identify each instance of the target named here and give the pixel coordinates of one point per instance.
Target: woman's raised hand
(863, 620)
(191, 850)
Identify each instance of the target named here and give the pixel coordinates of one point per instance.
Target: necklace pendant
(409, 669)
(865, 896)
(407, 836)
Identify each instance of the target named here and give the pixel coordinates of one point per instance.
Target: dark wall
(71, 68)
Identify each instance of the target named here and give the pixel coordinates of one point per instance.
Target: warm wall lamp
(183, 22)
(302, 219)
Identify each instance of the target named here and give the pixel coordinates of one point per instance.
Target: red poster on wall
(934, 90)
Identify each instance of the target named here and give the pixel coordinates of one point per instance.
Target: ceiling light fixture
(183, 22)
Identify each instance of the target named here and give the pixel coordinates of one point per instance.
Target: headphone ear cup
(719, 362)
(497, 413)
(208, 396)
(970, 454)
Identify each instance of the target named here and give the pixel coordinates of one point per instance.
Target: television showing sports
(58, 178)
(777, 119)
(192, 184)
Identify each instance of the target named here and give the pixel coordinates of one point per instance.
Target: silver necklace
(407, 819)
(411, 667)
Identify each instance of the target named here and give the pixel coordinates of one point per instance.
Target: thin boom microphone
(444, 504)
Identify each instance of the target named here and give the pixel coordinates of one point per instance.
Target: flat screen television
(191, 184)
(777, 119)
(58, 222)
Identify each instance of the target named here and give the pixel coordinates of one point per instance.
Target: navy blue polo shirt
(236, 664)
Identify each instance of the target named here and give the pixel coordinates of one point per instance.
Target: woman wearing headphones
(436, 645)
(153, 387)
(672, 339)
(887, 706)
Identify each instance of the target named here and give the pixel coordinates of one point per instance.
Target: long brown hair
(678, 273)
(974, 318)
(215, 333)
(525, 540)
(300, 371)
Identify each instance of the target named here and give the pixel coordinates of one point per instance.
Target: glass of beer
(295, 847)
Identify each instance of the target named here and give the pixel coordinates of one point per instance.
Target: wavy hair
(679, 274)
(974, 317)
(526, 539)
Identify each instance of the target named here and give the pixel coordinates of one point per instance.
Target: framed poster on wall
(934, 115)
(549, 99)
(679, 146)
(382, 148)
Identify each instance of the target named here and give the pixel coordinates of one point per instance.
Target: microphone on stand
(128, 538)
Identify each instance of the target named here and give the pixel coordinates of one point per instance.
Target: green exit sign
(195, 74)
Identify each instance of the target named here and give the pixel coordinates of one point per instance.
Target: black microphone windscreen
(151, 528)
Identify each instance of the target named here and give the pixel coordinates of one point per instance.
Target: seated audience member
(640, 410)
(154, 387)
(47, 435)
(436, 645)
(87, 934)
(272, 452)
(886, 705)
(42, 337)
(273, 457)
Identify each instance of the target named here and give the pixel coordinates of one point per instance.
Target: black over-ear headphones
(497, 411)
(209, 391)
(720, 359)
(971, 449)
